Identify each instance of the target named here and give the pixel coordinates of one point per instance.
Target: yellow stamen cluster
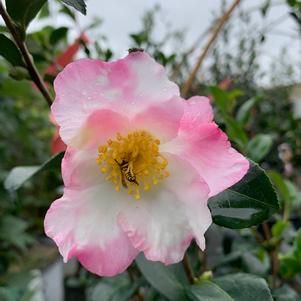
(133, 162)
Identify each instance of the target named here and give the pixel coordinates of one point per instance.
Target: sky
(121, 17)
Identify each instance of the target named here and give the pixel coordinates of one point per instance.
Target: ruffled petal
(127, 85)
(208, 149)
(80, 170)
(165, 220)
(198, 110)
(83, 224)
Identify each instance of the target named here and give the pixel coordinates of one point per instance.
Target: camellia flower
(139, 167)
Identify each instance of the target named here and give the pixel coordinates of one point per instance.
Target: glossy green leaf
(79, 5)
(9, 51)
(22, 12)
(19, 175)
(259, 146)
(247, 203)
(245, 287)
(207, 291)
(161, 278)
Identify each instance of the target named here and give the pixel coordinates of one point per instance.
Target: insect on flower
(127, 173)
(140, 165)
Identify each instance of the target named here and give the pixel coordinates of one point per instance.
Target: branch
(188, 269)
(273, 254)
(36, 77)
(219, 26)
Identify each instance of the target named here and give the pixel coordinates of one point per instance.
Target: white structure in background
(35, 286)
(295, 97)
(53, 281)
(47, 284)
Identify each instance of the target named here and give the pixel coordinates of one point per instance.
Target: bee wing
(123, 181)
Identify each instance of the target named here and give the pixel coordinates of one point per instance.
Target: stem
(219, 26)
(137, 294)
(188, 268)
(273, 253)
(36, 77)
(203, 259)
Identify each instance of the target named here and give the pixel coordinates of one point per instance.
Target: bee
(127, 173)
(135, 49)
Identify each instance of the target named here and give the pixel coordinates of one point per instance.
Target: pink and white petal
(101, 125)
(162, 120)
(127, 85)
(208, 149)
(198, 110)
(83, 224)
(166, 219)
(80, 170)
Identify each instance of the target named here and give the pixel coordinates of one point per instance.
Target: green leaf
(9, 51)
(161, 278)
(259, 146)
(57, 35)
(279, 227)
(294, 193)
(253, 265)
(19, 175)
(285, 293)
(245, 287)
(290, 266)
(22, 12)
(118, 288)
(235, 132)
(19, 73)
(244, 112)
(220, 98)
(207, 291)
(79, 5)
(68, 12)
(280, 184)
(287, 190)
(12, 232)
(297, 246)
(44, 12)
(247, 203)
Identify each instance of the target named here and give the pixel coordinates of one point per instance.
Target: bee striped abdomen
(127, 172)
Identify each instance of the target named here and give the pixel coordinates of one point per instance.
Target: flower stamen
(133, 162)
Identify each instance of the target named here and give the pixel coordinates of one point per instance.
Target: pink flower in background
(140, 165)
(57, 144)
(67, 56)
(225, 84)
